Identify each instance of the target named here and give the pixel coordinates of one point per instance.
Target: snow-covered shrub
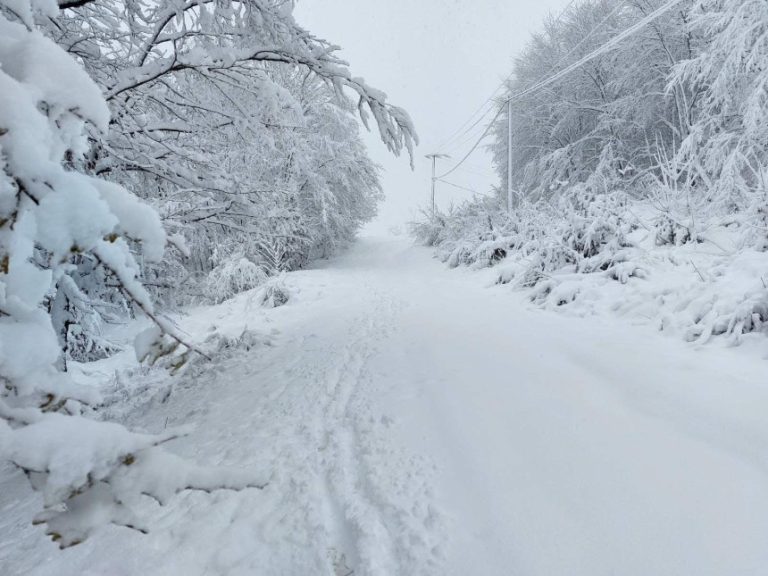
(579, 232)
(427, 231)
(52, 212)
(235, 275)
(591, 252)
(748, 315)
(79, 320)
(246, 340)
(671, 232)
(730, 296)
(274, 293)
(756, 218)
(598, 228)
(473, 234)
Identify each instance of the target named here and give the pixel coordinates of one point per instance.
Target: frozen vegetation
(195, 381)
(640, 180)
(154, 154)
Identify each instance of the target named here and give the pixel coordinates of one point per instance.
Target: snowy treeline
(644, 169)
(681, 103)
(229, 119)
(151, 151)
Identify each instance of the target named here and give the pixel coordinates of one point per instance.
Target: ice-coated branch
(197, 46)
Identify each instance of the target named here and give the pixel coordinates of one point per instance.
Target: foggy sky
(438, 59)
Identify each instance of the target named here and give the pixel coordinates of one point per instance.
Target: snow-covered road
(415, 421)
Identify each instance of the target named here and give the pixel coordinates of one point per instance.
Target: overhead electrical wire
(484, 173)
(458, 132)
(586, 38)
(470, 137)
(457, 186)
(469, 134)
(612, 43)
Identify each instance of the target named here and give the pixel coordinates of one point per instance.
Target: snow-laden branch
(55, 215)
(197, 45)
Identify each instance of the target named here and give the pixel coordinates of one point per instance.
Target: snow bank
(609, 254)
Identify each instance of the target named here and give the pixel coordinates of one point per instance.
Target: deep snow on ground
(416, 421)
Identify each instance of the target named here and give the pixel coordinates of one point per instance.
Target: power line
(460, 139)
(581, 42)
(552, 69)
(456, 185)
(472, 150)
(470, 136)
(458, 132)
(612, 43)
(476, 172)
(459, 144)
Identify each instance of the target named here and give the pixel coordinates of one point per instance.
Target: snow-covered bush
(235, 275)
(79, 320)
(587, 252)
(598, 227)
(53, 213)
(580, 229)
(275, 293)
(475, 233)
(428, 231)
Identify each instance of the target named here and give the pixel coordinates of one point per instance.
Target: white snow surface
(412, 420)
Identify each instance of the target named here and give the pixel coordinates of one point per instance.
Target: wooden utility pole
(434, 158)
(510, 191)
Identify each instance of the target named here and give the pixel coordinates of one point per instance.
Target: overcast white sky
(438, 59)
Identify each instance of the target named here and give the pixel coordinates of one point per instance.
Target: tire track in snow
(373, 534)
(363, 542)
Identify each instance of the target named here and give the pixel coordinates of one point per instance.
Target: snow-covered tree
(235, 144)
(236, 129)
(726, 149)
(611, 115)
(52, 215)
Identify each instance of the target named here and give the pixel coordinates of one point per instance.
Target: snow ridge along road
(416, 422)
